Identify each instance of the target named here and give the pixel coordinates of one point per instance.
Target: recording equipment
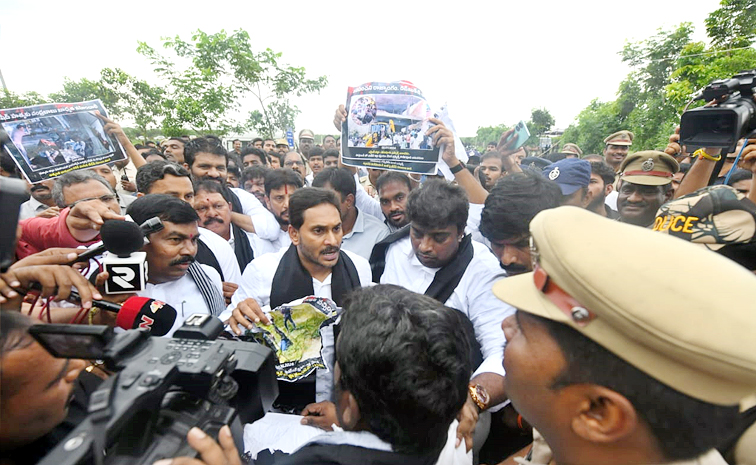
(723, 124)
(120, 237)
(138, 312)
(164, 386)
(141, 312)
(12, 195)
(126, 274)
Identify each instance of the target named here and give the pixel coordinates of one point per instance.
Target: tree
(594, 123)
(10, 99)
(487, 134)
(733, 25)
(540, 122)
(216, 72)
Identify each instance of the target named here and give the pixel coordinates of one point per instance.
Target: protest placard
(53, 139)
(385, 128)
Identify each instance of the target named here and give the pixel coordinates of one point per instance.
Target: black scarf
(378, 255)
(448, 277)
(292, 281)
(207, 257)
(242, 248)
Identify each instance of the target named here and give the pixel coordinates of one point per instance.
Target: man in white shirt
(162, 177)
(314, 264)
(279, 185)
(212, 202)
(438, 259)
(361, 231)
(174, 276)
(41, 202)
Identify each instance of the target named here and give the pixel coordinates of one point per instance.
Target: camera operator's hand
(321, 415)
(245, 313)
(339, 117)
(211, 452)
(51, 256)
(673, 147)
(748, 157)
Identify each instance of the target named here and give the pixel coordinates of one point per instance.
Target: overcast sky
(490, 62)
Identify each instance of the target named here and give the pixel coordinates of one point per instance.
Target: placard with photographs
(385, 128)
(53, 139)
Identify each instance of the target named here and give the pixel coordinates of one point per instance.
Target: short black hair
(256, 139)
(253, 172)
(166, 207)
(7, 163)
(254, 151)
(604, 171)
(491, 154)
(514, 201)
(316, 151)
(213, 187)
(331, 153)
(437, 204)
(152, 172)
(392, 176)
(403, 359)
(277, 155)
(153, 151)
(304, 199)
(491, 143)
(340, 179)
(205, 144)
(684, 427)
(740, 175)
(556, 156)
(277, 178)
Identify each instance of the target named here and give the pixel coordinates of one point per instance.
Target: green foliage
(733, 25)
(486, 134)
(540, 121)
(667, 70)
(10, 99)
(211, 73)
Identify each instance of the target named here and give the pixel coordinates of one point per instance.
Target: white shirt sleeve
(264, 222)
(223, 253)
(366, 203)
(473, 223)
(363, 268)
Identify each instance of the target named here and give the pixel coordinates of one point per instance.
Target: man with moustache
(213, 205)
(293, 161)
(393, 190)
(41, 204)
(253, 181)
(174, 275)
(173, 149)
(645, 184)
(314, 264)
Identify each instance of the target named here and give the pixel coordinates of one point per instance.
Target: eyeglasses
(103, 198)
(292, 163)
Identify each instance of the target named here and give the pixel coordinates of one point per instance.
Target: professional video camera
(723, 124)
(163, 387)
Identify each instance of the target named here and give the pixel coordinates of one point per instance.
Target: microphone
(142, 312)
(120, 237)
(139, 312)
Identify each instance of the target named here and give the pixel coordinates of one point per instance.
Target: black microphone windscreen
(121, 237)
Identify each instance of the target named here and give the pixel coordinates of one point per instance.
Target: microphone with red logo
(139, 312)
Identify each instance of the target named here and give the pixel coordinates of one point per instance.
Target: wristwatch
(479, 395)
(457, 168)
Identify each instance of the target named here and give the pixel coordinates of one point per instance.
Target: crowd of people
(561, 308)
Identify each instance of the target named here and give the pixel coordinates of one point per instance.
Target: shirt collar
(359, 225)
(364, 439)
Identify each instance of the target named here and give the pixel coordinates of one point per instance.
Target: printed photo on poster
(385, 128)
(294, 336)
(50, 140)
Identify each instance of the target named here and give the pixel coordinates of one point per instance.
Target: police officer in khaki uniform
(645, 184)
(572, 148)
(617, 147)
(627, 364)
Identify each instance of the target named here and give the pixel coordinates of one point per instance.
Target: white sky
(490, 61)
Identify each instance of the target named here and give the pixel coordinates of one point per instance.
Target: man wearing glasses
(293, 161)
(86, 200)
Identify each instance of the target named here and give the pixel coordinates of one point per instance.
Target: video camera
(725, 123)
(163, 388)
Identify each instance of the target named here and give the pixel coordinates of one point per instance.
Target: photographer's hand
(85, 219)
(55, 280)
(748, 162)
(244, 314)
(321, 415)
(211, 452)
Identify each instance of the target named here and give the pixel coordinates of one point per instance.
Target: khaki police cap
(620, 138)
(680, 313)
(572, 148)
(306, 133)
(650, 167)
(282, 142)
